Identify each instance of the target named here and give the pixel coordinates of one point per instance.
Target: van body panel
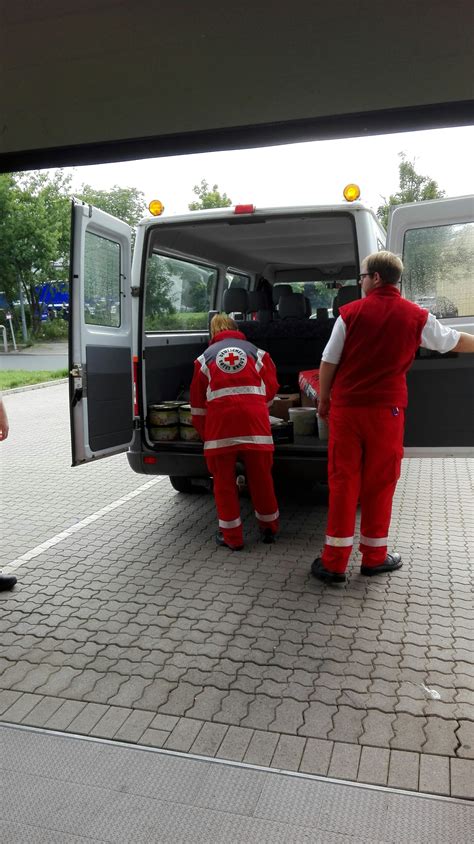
(283, 246)
(435, 240)
(100, 353)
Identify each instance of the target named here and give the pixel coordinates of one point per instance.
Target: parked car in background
(440, 306)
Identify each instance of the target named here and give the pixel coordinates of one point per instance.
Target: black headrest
(322, 313)
(343, 296)
(257, 301)
(280, 290)
(235, 300)
(293, 305)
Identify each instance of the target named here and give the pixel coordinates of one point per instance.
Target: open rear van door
(100, 335)
(436, 242)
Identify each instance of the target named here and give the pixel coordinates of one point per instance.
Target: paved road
(48, 356)
(129, 624)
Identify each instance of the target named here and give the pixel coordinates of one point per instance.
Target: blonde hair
(222, 322)
(386, 264)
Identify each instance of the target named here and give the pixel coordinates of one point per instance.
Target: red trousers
(258, 468)
(365, 454)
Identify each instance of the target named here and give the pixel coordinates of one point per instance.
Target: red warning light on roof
(244, 209)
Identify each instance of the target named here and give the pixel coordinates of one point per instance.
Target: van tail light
(150, 459)
(244, 209)
(135, 387)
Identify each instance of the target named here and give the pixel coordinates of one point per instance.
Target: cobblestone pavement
(131, 625)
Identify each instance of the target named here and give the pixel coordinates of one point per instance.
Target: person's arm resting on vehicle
(442, 338)
(329, 364)
(197, 398)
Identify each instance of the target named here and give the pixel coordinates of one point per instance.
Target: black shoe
(268, 537)
(392, 562)
(7, 581)
(223, 544)
(331, 577)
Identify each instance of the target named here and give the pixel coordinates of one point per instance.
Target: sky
(311, 173)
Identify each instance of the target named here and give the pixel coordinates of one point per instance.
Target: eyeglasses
(362, 275)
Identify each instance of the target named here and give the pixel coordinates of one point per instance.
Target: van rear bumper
(291, 467)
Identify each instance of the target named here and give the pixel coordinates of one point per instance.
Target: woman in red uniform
(233, 385)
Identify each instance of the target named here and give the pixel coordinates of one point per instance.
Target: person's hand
(3, 422)
(323, 408)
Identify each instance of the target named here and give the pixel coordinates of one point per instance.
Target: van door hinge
(137, 424)
(78, 372)
(135, 291)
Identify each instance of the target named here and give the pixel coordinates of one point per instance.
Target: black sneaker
(268, 537)
(220, 541)
(7, 581)
(392, 562)
(331, 577)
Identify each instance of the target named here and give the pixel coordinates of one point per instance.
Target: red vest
(383, 333)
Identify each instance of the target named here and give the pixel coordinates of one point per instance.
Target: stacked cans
(170, 421)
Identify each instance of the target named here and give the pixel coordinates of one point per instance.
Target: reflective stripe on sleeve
(235, 391)
(237, 441)
(271, 518)
(376, 542)
(340, 541)
(234, 523)
(198, 411)
(204, 367)
(259, 362)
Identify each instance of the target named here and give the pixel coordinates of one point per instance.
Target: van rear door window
(178, 294)
(101, 281)
(436, 260)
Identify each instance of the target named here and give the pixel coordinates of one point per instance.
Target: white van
(137, 327)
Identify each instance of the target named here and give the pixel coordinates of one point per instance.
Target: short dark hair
(387, 265)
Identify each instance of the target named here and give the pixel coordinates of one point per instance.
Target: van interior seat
(293, 306)
(322, 314)
(293, 343)
(235, 300)
(345, 295)
(280, 290)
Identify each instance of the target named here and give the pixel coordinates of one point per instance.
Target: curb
(35, 386)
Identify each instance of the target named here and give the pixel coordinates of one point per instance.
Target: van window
(178, 294)
(436, 259)
(101, 281)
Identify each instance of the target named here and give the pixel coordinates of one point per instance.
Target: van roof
(306, 243)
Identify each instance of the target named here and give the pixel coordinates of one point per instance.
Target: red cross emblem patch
(231, 359)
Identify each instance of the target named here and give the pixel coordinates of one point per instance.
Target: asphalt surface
(48, 356)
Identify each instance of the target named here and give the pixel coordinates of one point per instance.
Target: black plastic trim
(406, 119)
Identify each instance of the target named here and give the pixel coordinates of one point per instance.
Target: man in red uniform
(363, 379)
(233, 385)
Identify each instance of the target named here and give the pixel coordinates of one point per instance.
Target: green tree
(412, 188)
(34, 234)
(127, 204)
(208, 198)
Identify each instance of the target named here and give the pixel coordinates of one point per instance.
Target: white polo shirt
(435, 336)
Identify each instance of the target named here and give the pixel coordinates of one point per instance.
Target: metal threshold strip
(245, 765)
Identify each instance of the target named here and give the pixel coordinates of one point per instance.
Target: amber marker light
(351, 192)
(156, 207)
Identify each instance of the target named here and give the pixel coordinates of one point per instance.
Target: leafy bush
(55, 329)
(178, 322)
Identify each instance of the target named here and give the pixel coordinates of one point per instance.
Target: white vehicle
(137, 346)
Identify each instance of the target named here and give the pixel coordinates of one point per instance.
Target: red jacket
(233, 385)
(383, 332)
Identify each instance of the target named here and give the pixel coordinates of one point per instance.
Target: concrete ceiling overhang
(109, 80)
